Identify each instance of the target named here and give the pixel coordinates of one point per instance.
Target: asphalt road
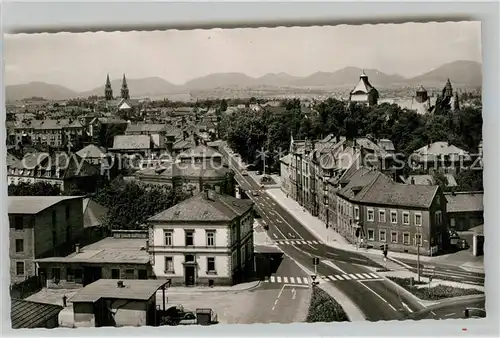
(445, 271)
(450, 309)
(377, 298)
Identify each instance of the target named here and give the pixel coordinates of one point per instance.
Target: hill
(150, 86)
(38, 89)
(460, 73)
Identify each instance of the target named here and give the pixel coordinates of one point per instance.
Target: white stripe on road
(306, 280)
(303, 242)
(285, 280)
(346, 277)
(332, 278)
(278, 279)
(366, 275)
(359, 275)
(376, 294)
(339, 277)
(272, 279)
(292, 280)
(373, 275)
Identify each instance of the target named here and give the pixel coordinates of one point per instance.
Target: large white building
(204, 240)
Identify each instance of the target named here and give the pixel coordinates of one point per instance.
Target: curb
(173, 291)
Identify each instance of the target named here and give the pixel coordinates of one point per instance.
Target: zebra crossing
(322, 279)
(296, 242)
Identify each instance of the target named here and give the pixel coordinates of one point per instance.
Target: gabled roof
(361, 177)
(27, 315)
(93, 213)
(200, 151)
(91, 151)
(363, 85)
(207, 206)
(146, 128)
(465, 201)
(433, 151)
(32, 205)
(127, 142)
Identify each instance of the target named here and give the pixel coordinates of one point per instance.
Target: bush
(324, 308)
(433, 293)
(267, 180)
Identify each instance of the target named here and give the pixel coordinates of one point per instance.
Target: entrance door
(189, 275)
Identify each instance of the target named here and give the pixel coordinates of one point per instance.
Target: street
(450, 309)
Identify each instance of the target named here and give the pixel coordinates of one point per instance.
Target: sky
(80, 61)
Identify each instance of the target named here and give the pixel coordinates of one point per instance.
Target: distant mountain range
(461, 73)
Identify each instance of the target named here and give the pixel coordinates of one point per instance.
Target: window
(406, 218)
(394, 217)
(189, 259)
(356, 213)
(394, 237)
(168, 238)
(20, 268)
(169, 265)
(406, 238)
(452, 222)
(381, 216)
(70, 275)
(210, 238)
(67, 213)
(143, 274)
(418, 219)
(115, 273)
(438, 217)
(418, 240)
(189, 237)
(370, 215)
(18, 223)
(19, 245)
(78, 274)
(371, 235)
(382, 236)
(211, 264)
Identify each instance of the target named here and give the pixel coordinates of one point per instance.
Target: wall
(128, 312)
(84, 314)
(44, 227)
(27, 235)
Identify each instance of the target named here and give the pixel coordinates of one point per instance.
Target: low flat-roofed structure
(113, 258)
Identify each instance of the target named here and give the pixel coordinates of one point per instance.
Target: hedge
(435, 292)
(324, 308)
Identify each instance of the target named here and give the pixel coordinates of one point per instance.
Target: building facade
(205, 240)
(41, 226)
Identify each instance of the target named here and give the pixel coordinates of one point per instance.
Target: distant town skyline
(81, 61)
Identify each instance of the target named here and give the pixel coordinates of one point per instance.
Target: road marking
(292, 280)
(292, 236)
(372, 280)
(449, 314)
(278, 220)
(272, 279)
(294, 293)
(279, 294)
(278, 279)
(360, 275)
(275, 236)
(346, 277)
(407, 307)
(358, 259)
(376, 294)
(332, 278)
(332, 265)
(306, 280)
(434, 313)
(312, 247)
(366, 275)
(339, 277)
(266, 279)
(285, 279)
(373, 275)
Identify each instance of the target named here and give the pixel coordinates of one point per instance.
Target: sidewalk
(332, 238)
(203, 289)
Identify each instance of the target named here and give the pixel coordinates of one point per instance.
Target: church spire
(125, 92)
(108, 91)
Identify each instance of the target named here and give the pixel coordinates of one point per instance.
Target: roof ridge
(363, 192)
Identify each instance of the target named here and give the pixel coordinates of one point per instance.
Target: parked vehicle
(244, 173)
(474, 313)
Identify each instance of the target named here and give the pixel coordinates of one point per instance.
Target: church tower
(125, 92)
(108, 91)
(448, 90)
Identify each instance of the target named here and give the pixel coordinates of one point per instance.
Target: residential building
(93, 154)
(157, 132)
(380, 211)
(440, 156)
(141, 145)
(66, 170)
(465, 209)
(204, 240)
(54, 133)
(110, 258)
(285, 172)
(41, 226)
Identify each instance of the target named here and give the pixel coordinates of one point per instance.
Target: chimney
(120, 284)
(77, 248)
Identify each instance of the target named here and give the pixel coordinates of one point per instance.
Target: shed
(27, 315)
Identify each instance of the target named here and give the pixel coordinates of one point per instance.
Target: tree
(34, 189)
(223, 105)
